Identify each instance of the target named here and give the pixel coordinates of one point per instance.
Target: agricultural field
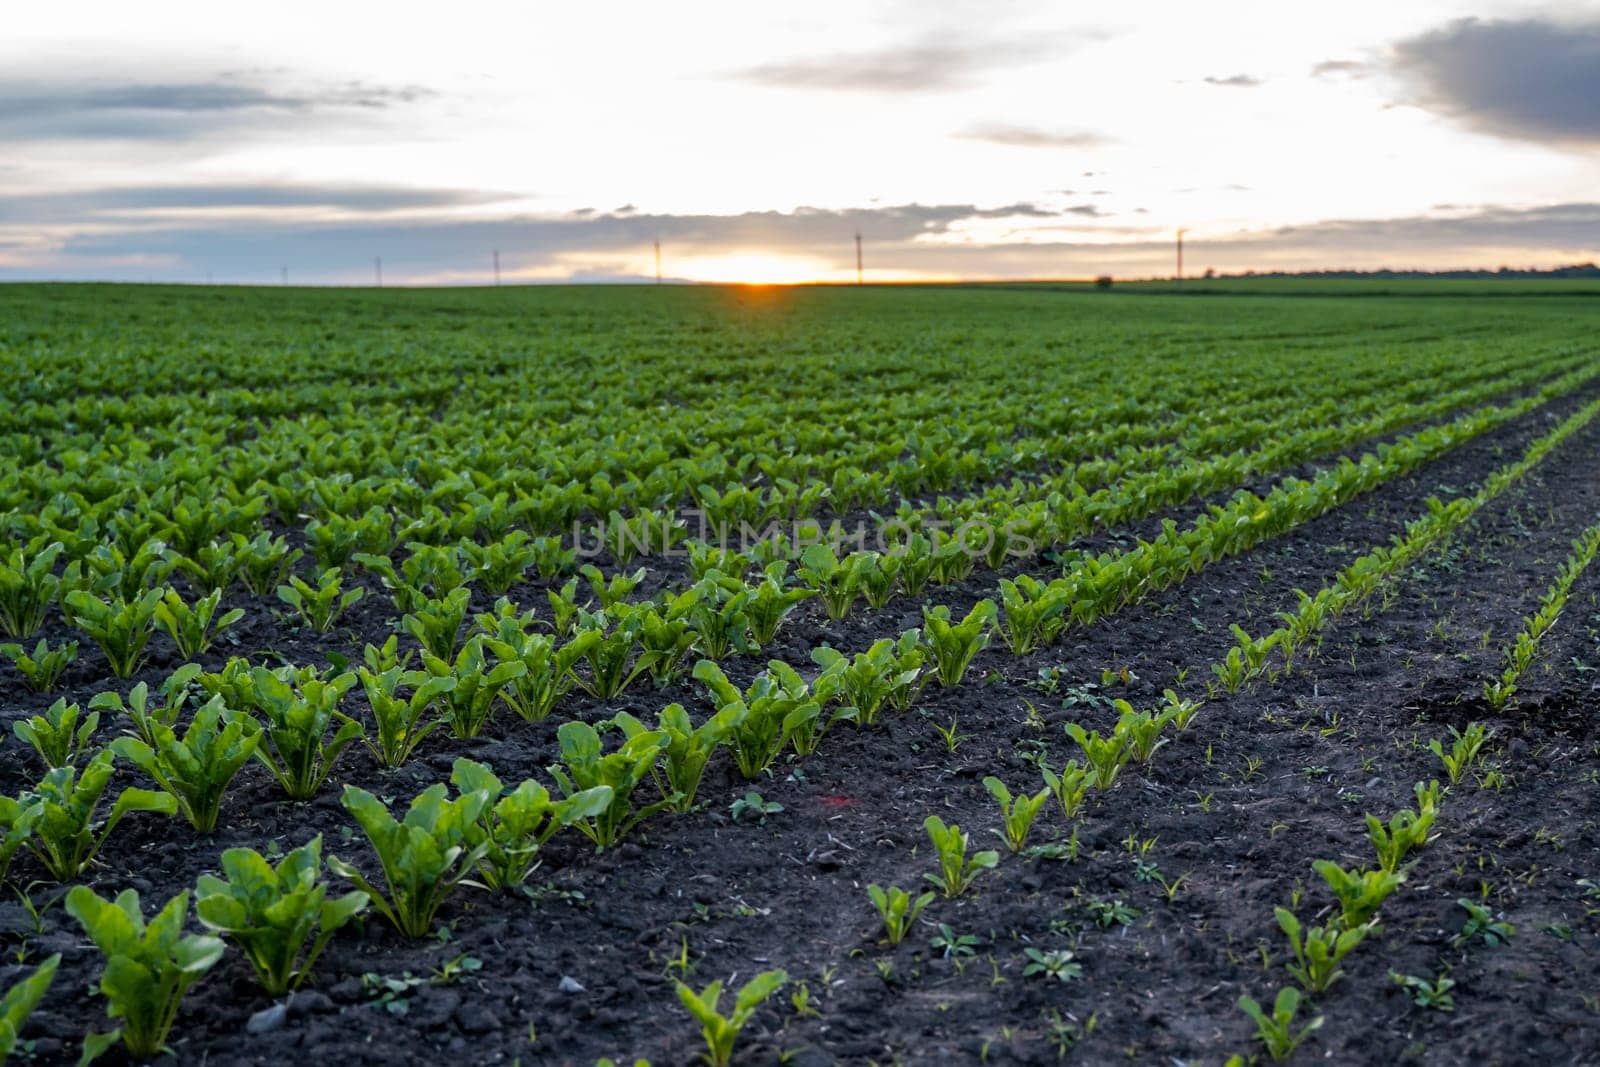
(1010, 675)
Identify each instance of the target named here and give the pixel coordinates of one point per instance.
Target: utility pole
(285, 271)
(377, 265)
(1180, 257)
(858, 258)
(497, 267)
(658, 262)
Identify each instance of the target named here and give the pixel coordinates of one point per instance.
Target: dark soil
(1262, 784)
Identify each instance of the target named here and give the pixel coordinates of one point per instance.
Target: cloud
(1032, 137)
(912, 68)
(1574, 227)
(1350, 68)
(46, 209)
(1526, 79)
(43, 110)
(329, 249)
(1235, 81)
(934, 239)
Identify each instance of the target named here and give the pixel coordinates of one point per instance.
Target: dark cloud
(913, 68)
(1527, 79)
(1088, 211)
(172, 111)
(1032, 137)
(39, 209)
(1235, 81)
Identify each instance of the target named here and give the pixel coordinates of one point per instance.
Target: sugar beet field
(945, 675)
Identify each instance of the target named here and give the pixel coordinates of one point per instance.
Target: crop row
(1520, 654)
(1301, 628)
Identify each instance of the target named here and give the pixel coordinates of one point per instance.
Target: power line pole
(1180, 257)
(377, 265)
(285, 271)
(858, 258)
(658, 262)
(497, 267)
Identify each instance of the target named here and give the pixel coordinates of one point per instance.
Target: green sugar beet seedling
(60, 735)
(1070, 787)
(1318, 950)
(61, 811)
(669, 637)
(1035, 612)
(194, 629)
(214, 565)
(145, 716)
(121, 571)
(956, 871)
(1360, 893)
(1277, 1032)
(436, 624)
(28, 586)
(196, 768)
(500, 564)
(120, 627)
(714, 611)
(1143, 729)
(1017, 813)
(149, 967)
(771, 602)
(768, 713)
(613, 665)
(320, 607)
(867, 681)
(429, 572)
(20, 1000)
(16, 823)
(402, 721)
(1106, 756)
(953, 645)
(280, 917)
(423, 856)
(264, 561)
(516, 824)
(42, 668)
(1464, 750)
(467, 705)
(612, 591)
(721, 1031)
(898, 910)
(584, 767)
(688, 748)
(879, 577)
(547, 666)
(295, 746)
(838, 584)
(1407, 830)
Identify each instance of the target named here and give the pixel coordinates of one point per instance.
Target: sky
(238, 143)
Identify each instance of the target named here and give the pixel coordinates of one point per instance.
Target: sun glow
(754, 268)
